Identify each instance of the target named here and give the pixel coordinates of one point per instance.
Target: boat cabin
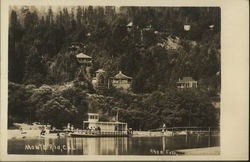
(93, 123)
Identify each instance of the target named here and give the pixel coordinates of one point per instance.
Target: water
(109, 146)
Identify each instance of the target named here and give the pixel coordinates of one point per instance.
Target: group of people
(93, 130)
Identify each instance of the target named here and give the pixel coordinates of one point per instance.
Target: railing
(96, 132)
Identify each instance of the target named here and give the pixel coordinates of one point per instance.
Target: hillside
(148, 44)
(156, 51)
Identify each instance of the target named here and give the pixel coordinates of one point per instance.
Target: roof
(130, 24)
(105, 122)
(120, 75)
(93, 114)
(82, 55)
(100, 71)
(186, 79)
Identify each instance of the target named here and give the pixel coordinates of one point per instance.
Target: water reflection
(109, 146)
(97, 146)
(170, 145)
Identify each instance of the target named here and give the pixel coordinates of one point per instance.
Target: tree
(189, 108)
(15, 55)
(58, 112)
(78, 98)
(50, 17)
(18, 104)
(79, 16)
(34, 67)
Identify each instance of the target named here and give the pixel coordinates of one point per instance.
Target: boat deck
(99, 134)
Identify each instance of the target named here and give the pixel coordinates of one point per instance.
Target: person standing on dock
(163, 128)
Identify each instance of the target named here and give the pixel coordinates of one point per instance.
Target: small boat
(60, 131)
(51, 135)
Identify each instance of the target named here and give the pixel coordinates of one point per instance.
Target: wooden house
(187, 82)
(84, 59)
(121, 81)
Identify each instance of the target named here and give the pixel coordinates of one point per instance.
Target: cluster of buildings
(120, 80)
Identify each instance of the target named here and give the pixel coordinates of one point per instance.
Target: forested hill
(148, 44)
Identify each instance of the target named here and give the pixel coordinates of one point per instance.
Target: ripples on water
(109, 146)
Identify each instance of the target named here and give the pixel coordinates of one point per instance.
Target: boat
(99, 135)
(60, 131)
(49, 135)
(95, 128)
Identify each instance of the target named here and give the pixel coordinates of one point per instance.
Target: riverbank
(34, 133)
(201, 151)
(151, 134)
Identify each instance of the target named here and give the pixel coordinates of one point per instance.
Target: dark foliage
(155, 51)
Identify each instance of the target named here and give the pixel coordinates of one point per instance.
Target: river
(109, 146)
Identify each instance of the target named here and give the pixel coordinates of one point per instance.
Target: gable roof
(120, 75)
(186, 79)
(82, 55)
(100, 71)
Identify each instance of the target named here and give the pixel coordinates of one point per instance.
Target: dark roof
(120, 75)
(186, 79)
(82, 55)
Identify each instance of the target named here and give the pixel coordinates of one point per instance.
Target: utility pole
(189, 116)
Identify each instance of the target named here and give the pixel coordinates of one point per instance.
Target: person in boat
(99, 130)
(42, 131)
(93, 130)
(90, 130)
(68, 126)
(87, 130)
(130, 131)
(72, 128)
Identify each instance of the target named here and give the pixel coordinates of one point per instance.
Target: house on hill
(121, 81)
(187, 82)
(84, 59)
(85, 62)
(99, 78)
(129, 26)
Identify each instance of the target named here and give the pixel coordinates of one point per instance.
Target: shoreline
(201, 151)
(35, 133)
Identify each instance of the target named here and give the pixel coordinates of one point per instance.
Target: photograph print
(114, 80)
